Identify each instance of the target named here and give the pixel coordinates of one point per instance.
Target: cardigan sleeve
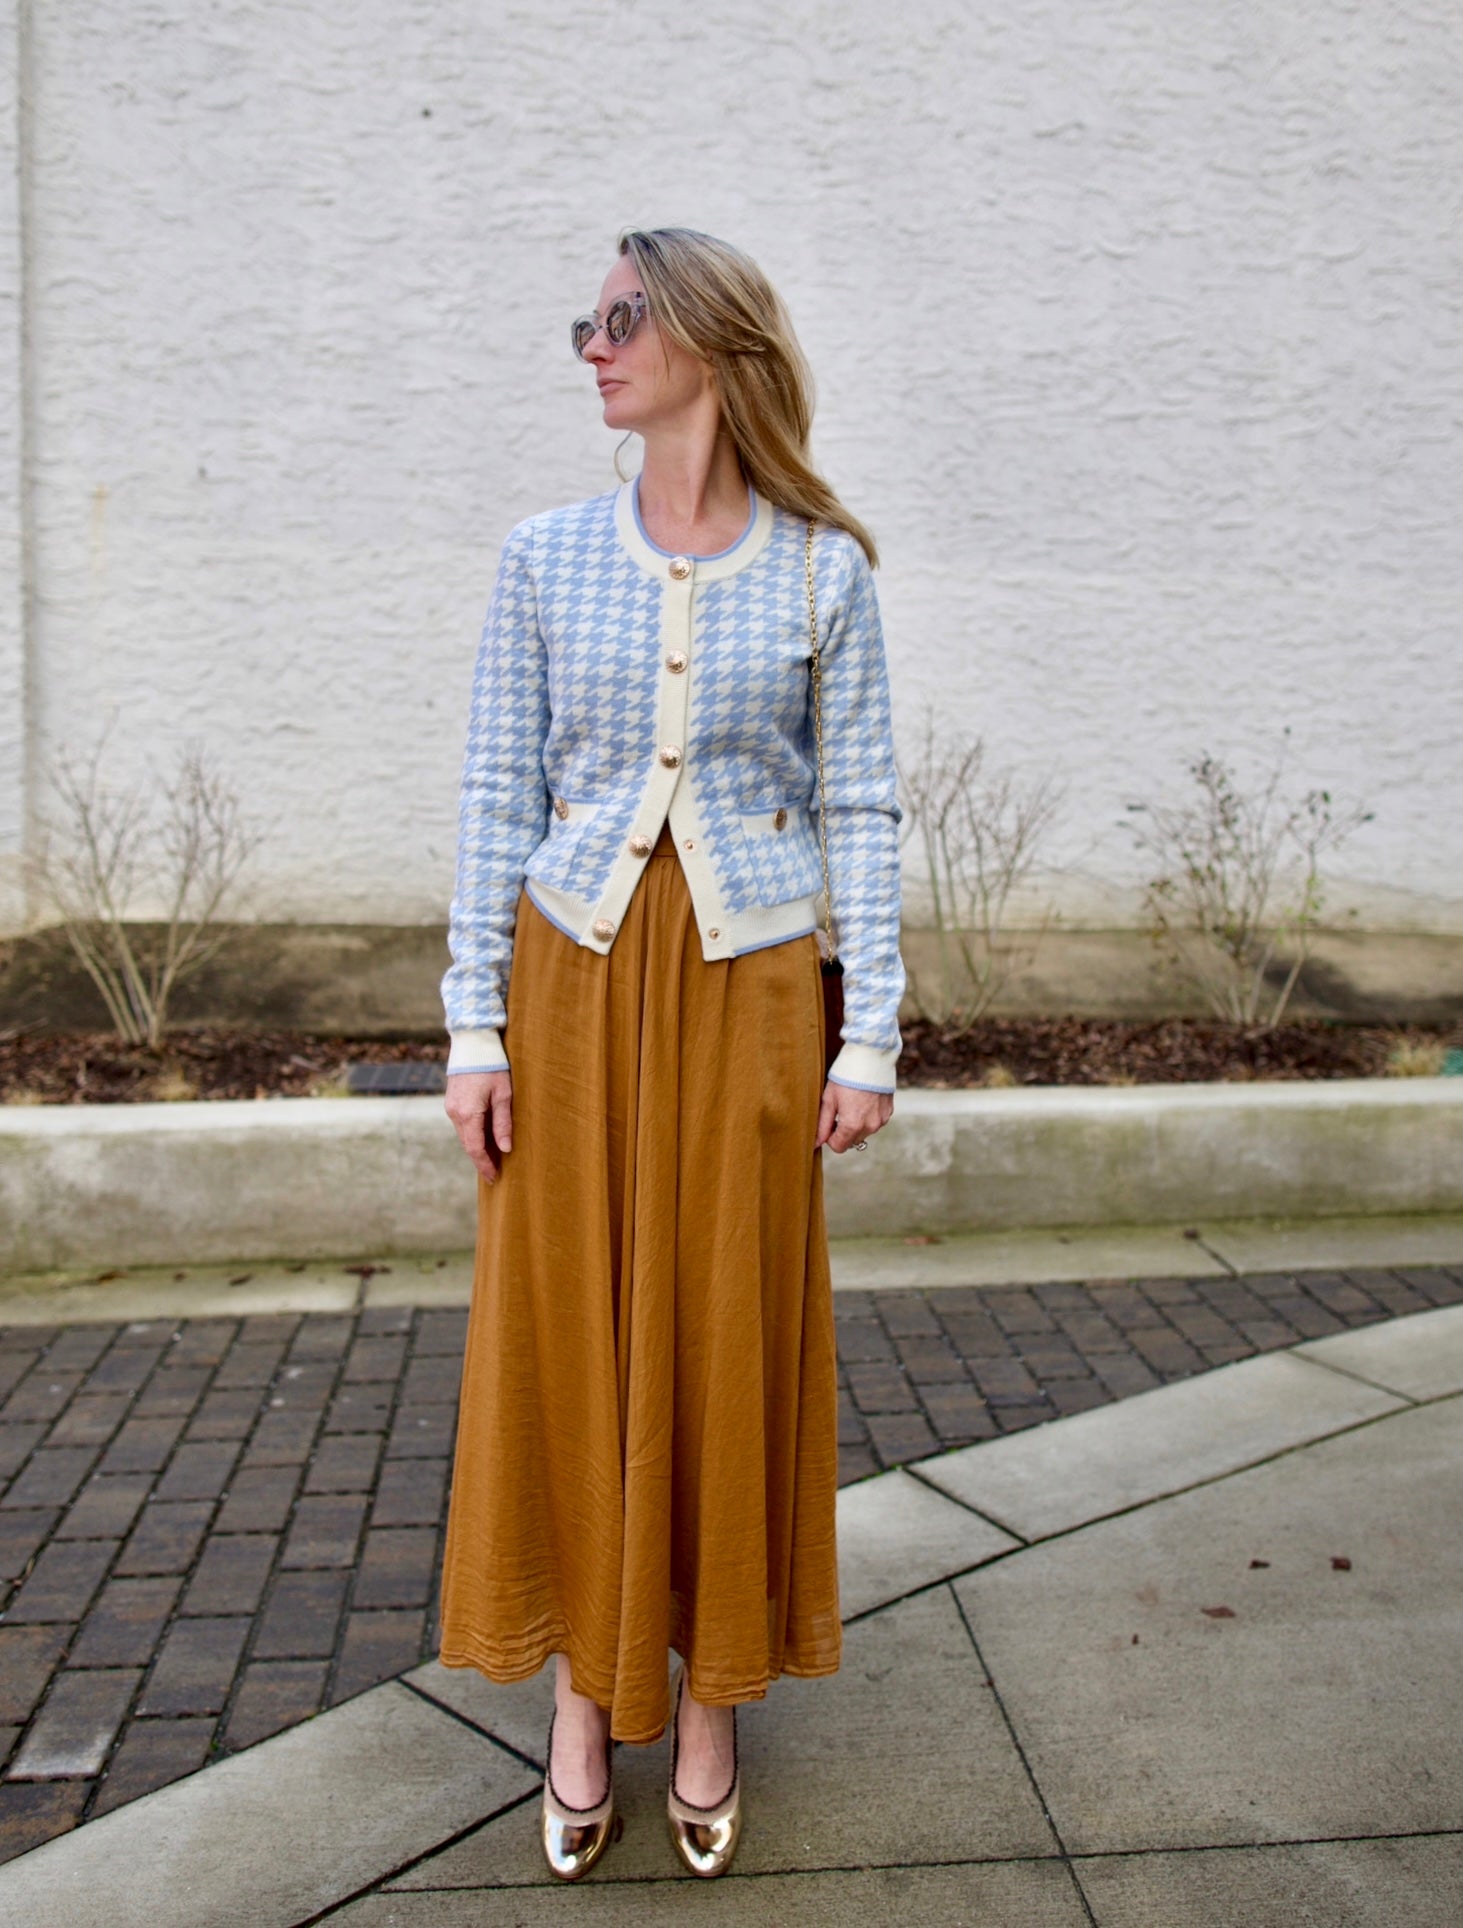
(863, 817)
(503, 807)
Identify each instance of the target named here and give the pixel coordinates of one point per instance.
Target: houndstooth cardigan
(616, 685)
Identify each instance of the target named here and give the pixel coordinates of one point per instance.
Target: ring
(860, 1144)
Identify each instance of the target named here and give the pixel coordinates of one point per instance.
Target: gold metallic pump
(575, 1838)
(704, 1838)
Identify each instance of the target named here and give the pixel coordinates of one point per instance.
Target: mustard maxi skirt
(647, 1445)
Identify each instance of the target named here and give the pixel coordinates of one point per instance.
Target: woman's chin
(617, 416)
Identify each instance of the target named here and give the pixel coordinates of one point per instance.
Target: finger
(470, 1132)
(827, 1112)
(503, 1119)
(857, 1122)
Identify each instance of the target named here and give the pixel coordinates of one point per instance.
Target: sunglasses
(619, 322)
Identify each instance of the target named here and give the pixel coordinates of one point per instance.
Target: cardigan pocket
(783, 846)
(559, 858)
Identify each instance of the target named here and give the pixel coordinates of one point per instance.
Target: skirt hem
(505, 1673)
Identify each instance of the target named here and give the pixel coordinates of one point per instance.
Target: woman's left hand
(849, 1116)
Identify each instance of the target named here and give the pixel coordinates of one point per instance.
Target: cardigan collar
(657, 562)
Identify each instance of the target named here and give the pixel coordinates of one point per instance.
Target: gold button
(779, 822)
(640, 845)
(677, 661)
(713, 933)
(561, 809)
(680, 568)
(670, 756)
(690, 843)
(604, 930)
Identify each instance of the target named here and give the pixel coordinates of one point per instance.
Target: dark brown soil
(96, 1068)
(1087, 1051)
(218, 1063)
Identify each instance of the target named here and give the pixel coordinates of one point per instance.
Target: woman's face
(649, 380)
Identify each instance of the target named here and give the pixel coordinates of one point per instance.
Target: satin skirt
(647, 1456)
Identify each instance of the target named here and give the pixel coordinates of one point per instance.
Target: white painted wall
(12, 570)
(1136, 325)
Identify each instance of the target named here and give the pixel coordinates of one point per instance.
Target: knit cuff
(476, 1051)
(864, 1067)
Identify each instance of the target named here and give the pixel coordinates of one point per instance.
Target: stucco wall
(1136, 326)
(12, 573)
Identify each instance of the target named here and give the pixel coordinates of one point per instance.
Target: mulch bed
(211, 1062)
(1094, 1051)
(216, 1062)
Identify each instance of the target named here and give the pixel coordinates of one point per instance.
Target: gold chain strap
(818, 733)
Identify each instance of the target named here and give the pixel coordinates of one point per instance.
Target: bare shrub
(978, 833)
(104, 851)
(1237, 895)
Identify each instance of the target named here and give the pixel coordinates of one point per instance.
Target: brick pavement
(924, 1371)
(215, 1527)
(212, 1529)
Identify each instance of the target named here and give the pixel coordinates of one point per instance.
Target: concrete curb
(307, 1178)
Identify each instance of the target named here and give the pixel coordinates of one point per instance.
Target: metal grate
(395, 1080)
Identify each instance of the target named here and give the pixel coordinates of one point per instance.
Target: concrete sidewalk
(1189, 1659)
(1204, 1248)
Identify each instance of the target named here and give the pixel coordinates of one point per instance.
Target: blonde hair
(716, 302)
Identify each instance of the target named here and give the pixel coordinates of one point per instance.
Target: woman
(647, 1452)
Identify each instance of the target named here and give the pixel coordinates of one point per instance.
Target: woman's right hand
(475, 1101)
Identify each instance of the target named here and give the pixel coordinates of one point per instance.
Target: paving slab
(1341, 1884)
(275, 1834)
(108, 1295)
(516, 1713)
(1339, 1243)
(896, 1534)
(1053, 1478)
(1420, 1357)
(921, 1262)
(874, 1765)
(1022, 1257)
(445, 1280)
(157, 1293)
(1022, 1894)
(1269, 1658)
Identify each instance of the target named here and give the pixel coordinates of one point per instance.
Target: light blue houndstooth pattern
(564, 703)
